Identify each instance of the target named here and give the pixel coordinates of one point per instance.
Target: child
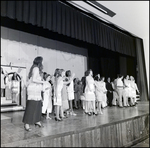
(76, 93)
(99, 93)
(47, 97)
(70, 92)
(80, 93)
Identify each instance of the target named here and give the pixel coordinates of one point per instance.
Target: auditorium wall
(20, 48)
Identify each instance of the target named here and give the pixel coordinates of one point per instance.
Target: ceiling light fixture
(93, 5)
(100, 7)
(86, 10)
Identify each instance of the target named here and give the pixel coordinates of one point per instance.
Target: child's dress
(65, 105)
(47, 98)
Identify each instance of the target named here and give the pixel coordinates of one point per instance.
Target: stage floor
(14, 132)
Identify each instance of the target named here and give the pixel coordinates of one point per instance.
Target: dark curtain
(141, 70)
(62, 19)
(106, 67)
(109, 67)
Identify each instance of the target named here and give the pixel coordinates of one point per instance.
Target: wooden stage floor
(14, 135)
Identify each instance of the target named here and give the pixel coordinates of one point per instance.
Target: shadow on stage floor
(82, 130)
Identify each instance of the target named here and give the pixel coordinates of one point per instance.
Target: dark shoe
(95, 114)
(58, 119)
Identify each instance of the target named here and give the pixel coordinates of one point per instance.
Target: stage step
(11, 108)
(5, 120)
(8, 104)
(4, 101)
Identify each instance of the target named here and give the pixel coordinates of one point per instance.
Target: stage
(116, 127)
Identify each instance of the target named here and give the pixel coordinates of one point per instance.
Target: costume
(89, 89)
(70, 91)
(33, 109)
(65, 105)
(58, 92)
(47, 98)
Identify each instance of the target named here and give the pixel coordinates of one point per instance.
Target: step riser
(9, 109)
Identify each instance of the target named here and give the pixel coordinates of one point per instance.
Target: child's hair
(96, 78)
(79, 82)
(47, 75)
(68, 73)
(44, 75)
(56, 72)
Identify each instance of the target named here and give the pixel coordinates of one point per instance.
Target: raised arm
(72, 77)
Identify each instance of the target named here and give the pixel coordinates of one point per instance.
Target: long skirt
(32, 112)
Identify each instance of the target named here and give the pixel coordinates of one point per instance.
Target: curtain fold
(62, 19)
(141, 73)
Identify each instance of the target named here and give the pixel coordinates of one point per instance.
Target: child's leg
(70, 105)
(75, 103)
(48, 116)
(100, 107)
(131, 101)
(89, 106)
(93, 106)
(61, 112)
(57, 111)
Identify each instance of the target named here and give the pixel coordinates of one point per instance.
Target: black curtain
(103, 62)
(62, 19)
(141, 70)
(109, 67)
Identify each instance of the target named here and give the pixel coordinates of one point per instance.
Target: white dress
(99, 90)
(65, 104)
(104, 90)
(70, 91)
(47, 96)
(127, 89)
(58, 89)
(133, 89)
(89, 89)
(34, 89)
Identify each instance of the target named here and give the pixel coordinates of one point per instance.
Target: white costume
(133, 89)
(115, 94)
(104, 90)
(126, 92)
(120, 90)
(47, 98)
(89, 89)
(70, 91)
(99, 90)
(58, 92)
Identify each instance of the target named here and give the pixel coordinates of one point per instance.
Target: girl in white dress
(58, 86)
(47, 97)
(15, 87)
(126, 91)
(104, 90)
(90, 93)
(70, 92)
(98, 93)
(134, 88)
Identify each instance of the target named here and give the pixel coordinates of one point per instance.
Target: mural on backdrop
(13, 84)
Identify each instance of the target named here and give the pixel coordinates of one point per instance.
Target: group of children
(63, 92)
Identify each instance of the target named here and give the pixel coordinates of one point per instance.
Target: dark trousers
(109, 98)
